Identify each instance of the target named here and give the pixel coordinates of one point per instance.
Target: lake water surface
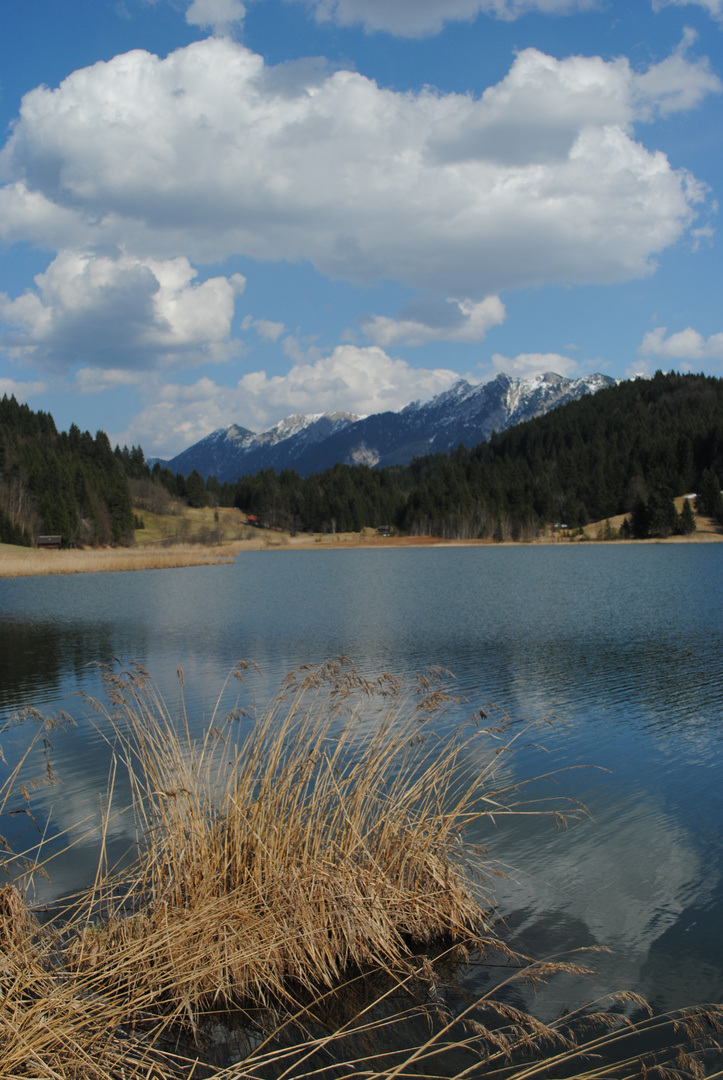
(623, 643)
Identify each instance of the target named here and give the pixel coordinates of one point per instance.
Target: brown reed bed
(26, 562)
(279, 859)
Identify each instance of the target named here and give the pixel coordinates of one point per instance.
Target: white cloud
(541, 109)
(269, 331)
(21, 391)
(301, 353)
(30, 215)
(121, 311)
(216, 15)
(713, 7)
(207, 153)
(535, 364)
(422, 18)
(675, 84)
(359, 380)
(458, 321)
(687, 344)
(93, 380)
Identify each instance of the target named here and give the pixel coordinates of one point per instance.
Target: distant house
(384, 530)
(49, 541)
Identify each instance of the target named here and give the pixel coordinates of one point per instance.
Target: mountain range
(465, 413)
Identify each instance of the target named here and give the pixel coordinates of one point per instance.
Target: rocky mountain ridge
(465, 413)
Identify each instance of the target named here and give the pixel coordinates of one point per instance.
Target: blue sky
(214, 211)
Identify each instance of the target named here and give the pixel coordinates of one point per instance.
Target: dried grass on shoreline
(27, 562)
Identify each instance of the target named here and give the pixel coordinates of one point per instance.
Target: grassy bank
(279, 858)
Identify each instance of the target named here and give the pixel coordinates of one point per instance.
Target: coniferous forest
(73, 485)
(66, 484)
(629, 449)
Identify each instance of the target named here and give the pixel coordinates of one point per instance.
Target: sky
(216, 211)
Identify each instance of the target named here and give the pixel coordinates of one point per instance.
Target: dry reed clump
(325, 838)
(278, 859)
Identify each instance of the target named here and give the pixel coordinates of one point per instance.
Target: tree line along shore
(18, 561)
(614, 465)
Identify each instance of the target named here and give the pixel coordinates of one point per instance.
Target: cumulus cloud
(121, 311)
(359, 380)
(219, 16)
(422, 18)
(206, 153)
(687, 344)
(454, 321)
(535, 364)
(542, 109)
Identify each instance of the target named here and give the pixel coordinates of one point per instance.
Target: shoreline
(32, 562)
(349, 541)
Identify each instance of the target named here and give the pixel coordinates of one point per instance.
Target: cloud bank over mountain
(352, 379)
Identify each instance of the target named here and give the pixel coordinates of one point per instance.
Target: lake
(624, 644)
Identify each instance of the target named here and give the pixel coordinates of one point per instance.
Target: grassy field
(185, 525)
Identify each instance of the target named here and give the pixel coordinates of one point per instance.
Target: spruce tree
(709, 500)
(687, 519)
(196, 493)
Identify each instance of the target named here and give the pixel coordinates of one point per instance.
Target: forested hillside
(632, 447)
(67, 484)
(629, 449)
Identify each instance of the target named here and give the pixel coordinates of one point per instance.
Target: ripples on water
(623, 644)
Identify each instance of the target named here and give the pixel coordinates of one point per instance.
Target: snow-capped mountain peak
(465, 413)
